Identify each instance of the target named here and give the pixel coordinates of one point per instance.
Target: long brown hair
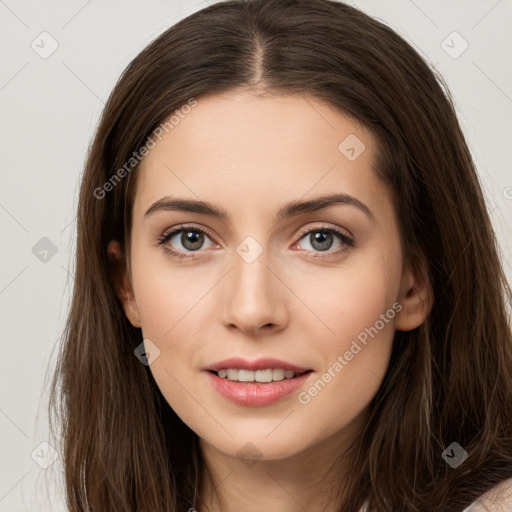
(449, 380)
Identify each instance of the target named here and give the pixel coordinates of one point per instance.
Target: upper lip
(263, 363)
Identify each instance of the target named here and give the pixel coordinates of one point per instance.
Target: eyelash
(346, 240)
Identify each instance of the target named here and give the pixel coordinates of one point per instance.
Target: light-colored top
(498, 499)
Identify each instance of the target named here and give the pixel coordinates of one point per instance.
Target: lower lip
(254, 394)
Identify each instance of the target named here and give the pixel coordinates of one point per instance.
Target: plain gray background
(49, 110)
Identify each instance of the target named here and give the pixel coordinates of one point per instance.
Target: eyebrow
(290, 209)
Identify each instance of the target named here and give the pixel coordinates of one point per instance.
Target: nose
(255, 297)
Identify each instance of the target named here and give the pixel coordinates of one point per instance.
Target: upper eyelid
(326, 227)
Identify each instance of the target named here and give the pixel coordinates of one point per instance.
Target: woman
(288, 294)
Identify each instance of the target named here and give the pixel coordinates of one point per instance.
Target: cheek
(354, 364)
(173, 308)
(361, 321)
(358, 305)
(168, 297)
(347, 299)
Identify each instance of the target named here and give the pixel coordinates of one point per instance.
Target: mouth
(263, 376)
(256, 383)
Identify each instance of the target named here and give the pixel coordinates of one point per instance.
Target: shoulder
(498, 499)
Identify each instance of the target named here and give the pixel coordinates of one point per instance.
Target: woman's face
(266, 280)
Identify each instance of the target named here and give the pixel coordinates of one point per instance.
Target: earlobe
(416, 299)
(121, 282)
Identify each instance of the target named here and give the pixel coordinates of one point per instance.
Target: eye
(191, 239)
(322, 238)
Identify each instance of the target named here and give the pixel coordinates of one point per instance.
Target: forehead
(252, 150)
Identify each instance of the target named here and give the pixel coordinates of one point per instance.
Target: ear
(416, 298)
(121, 282)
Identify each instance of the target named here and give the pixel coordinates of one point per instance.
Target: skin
(250, 154)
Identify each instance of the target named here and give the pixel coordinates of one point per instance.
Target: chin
(251, 444)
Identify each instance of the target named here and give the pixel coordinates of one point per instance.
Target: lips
(263, 363)
(260, 392)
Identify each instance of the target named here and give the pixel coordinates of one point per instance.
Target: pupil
(191, 240)
(321, 240)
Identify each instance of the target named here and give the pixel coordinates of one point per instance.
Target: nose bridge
(254, 296)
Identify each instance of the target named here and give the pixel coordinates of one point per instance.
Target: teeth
(232, 374)
(277, 374)
(245, 375)
(263, 375)
(268, 375)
